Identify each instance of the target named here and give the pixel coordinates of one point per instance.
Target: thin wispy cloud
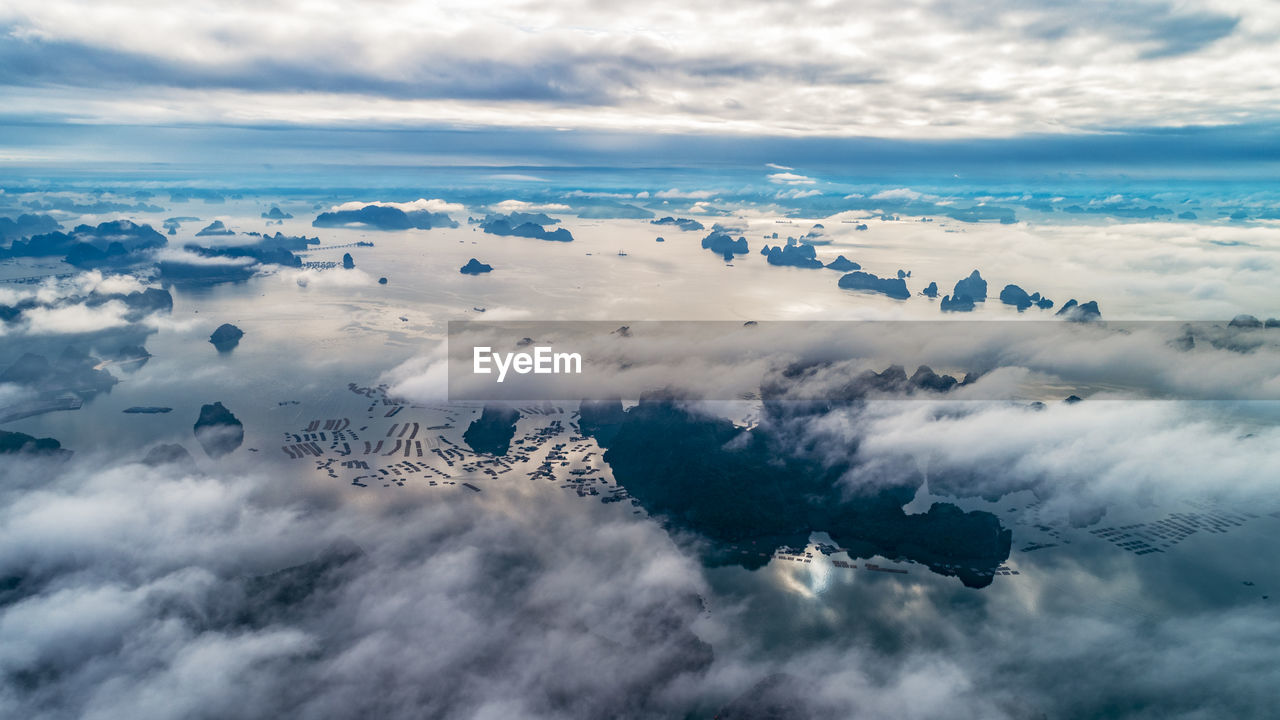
(789, 178)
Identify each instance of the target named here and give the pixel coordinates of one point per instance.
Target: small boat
(478, 309)
(622, 253)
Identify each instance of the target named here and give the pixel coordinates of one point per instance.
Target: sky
(902, 69)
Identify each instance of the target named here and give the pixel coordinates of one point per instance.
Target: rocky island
(1019, 298)
(749, 493)
(893, 287)
(525, 225)
(793, 254)
(720, 242)
(217, 430)
(491, 433)
(215, 228)
(226, 337)
(384, 217)
(1080, 312)
(475, 267)
(967, 293)
(16, 443)
(843, 264)
(682, 223)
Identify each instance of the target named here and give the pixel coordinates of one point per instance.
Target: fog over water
(269, 582)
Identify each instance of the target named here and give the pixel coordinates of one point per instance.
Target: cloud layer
(897, 69)
(170, 592)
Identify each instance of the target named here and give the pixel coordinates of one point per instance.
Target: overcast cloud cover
(889, 68)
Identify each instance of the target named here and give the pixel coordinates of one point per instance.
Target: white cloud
(898, 194)
(517, 177)
(909, 68)
(1068, 454)
(137, 588)
(432, 205)
(510, 206)
(310, 277)
(425, 379)
(75, 318)
(788, 178)
(13, 295)
(119, 285)
(11, 394)
(172, 254)
(586, 194)
(691, 194)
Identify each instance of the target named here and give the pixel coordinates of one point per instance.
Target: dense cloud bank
(1066, 454)
(89, 308)
(127, 590)
(179, 594)
(1048, 359)
(940, 654)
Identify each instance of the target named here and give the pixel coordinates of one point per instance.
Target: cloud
(185, 257)
(1071, 67)
(310, 277)
(87, 282)
(12, 295)
(1017, 360)
(689, 194)
(150, 607)
(13, 394)
(898, 194)
(797, 193)
(149, 592)
(1065, 454)
(424, 378)
(517, 177)
(522, 206)
(702, 208)
(602, 194)
(76, 318)
(434, 205)
(788, 178)
(118, 285)
(113, 312)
